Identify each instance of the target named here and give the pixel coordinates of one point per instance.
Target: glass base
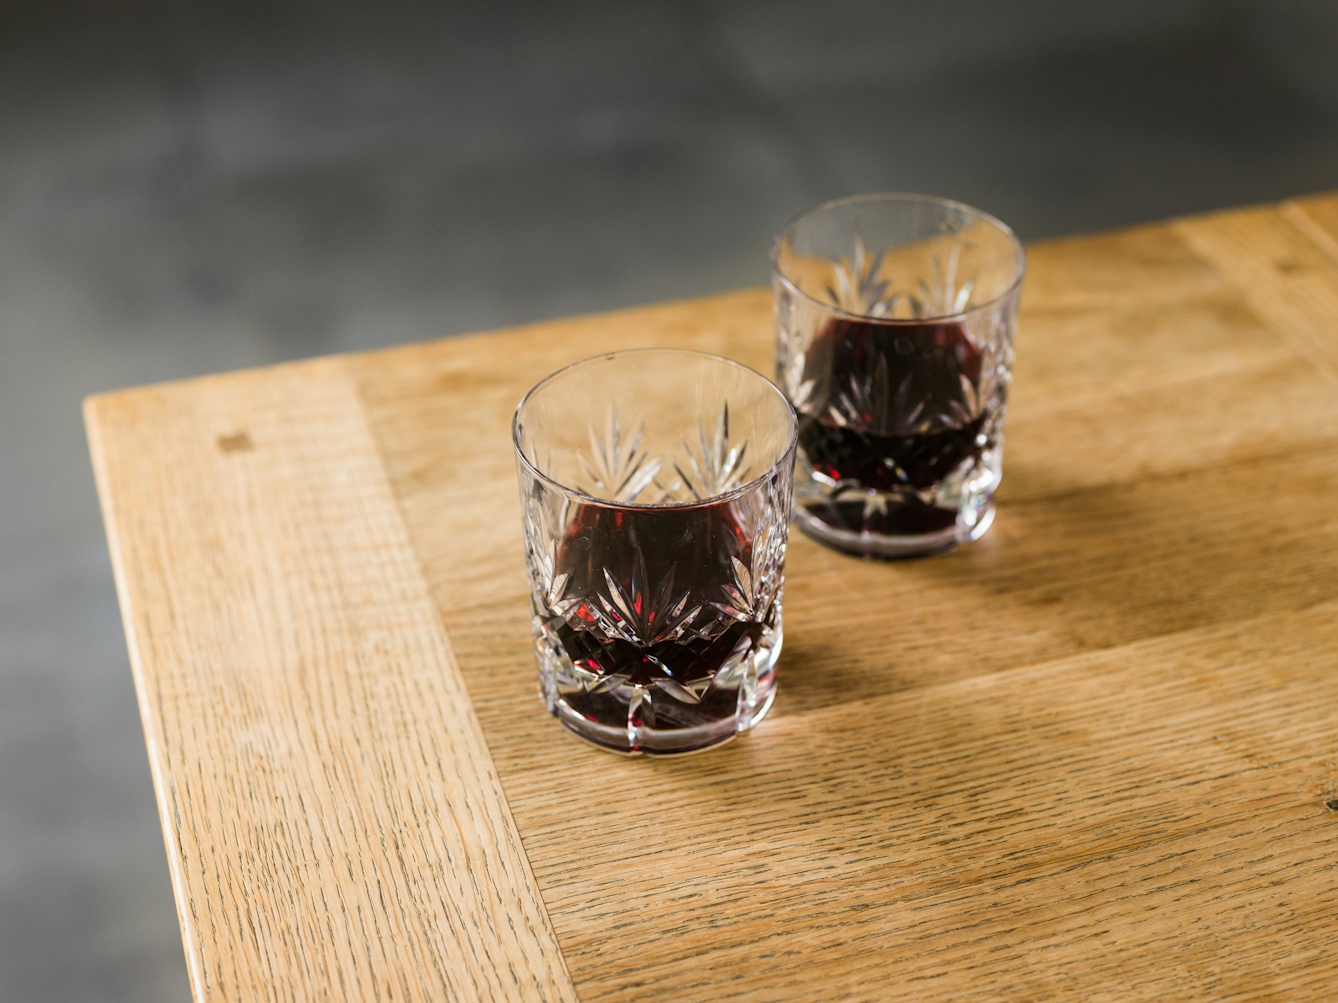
(752, 677)
(661, 743)
(868, 544)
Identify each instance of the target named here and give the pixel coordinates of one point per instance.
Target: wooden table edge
(100, 412)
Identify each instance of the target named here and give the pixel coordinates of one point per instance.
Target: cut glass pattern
(897, 370)
(657, 584)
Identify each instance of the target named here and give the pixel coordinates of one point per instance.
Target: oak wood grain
(1043, 767)
(1287, 276)
(1317, 218)
(1085, 758)
(334, 823)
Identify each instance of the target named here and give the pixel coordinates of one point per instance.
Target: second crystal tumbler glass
(656, 489)
(894, 319)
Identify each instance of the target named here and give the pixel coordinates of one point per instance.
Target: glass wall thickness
(656, 487)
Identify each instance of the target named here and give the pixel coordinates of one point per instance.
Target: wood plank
(1218, 386)
(1085, 757)
(1288, 279)
(334, 823)
(1317, 218)
(1141, 823)
(764, 863)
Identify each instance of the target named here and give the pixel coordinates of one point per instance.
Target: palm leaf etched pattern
(617, 469)
(749, 597)
(857, 287)
(866, 402)
(551, 587)
(799, 386)
(639, 615)
(943, 297)
(717, 466)
(542, 529)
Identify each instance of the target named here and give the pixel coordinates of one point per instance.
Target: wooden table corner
(1087, 757)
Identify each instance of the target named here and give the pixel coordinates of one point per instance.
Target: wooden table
(1085, 758)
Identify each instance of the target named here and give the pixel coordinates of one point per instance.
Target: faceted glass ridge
(898, 368)
(657, 625)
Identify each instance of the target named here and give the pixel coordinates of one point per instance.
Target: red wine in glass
(654, 628)
(897, 413)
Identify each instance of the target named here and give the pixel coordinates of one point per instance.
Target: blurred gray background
(193, 186)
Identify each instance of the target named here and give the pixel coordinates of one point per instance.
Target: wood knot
(235, 443)
(1331, 804)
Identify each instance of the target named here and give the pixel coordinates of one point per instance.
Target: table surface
(1085, 758)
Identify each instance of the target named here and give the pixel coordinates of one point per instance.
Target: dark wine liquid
(896, 415)
(652, 576)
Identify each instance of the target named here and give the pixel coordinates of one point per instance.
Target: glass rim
(792, 440)
(934, 200)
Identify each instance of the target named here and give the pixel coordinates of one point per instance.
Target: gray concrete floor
(193, 187)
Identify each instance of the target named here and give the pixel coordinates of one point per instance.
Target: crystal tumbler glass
(656, 488)
(894, 343)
